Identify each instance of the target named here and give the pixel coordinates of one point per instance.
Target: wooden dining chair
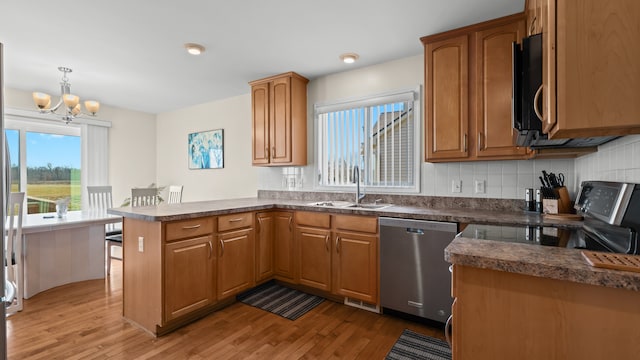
(175, 194)
(101, 199)
(13, 252)
(144, 197)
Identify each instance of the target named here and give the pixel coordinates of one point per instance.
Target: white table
(58, 251)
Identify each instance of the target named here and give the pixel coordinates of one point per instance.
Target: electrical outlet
(456, 186)
(479, 187)
(140, 244)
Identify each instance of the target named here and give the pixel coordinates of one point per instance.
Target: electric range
(612, 221)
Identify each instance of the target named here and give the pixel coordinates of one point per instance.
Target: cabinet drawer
(357, 223)
(234, 221)
(313, 219)
(188, 228)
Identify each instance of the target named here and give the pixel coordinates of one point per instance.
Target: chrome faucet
(356, 177)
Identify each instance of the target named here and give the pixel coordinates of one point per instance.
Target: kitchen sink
(369, 206)
(330, 203)
(347, 204)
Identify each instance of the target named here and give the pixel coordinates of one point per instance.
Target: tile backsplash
(618, 160)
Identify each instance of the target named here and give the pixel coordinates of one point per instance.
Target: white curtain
(95, 158)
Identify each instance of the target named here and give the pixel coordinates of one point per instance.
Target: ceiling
(130, 54)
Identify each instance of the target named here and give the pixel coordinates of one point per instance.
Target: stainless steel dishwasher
(414, 277)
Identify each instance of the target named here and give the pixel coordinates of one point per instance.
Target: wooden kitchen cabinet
(265, 237)
(502, 315)
(468, 80)
(313, 238)
(189, 280)
(591, 73)
(493, 89)
(168, 272)
(275, 255)
(236, 254)
(284, 247)
(355, 257)
(447, 98)
(279, 120)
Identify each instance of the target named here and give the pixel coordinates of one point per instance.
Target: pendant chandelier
(69, 104)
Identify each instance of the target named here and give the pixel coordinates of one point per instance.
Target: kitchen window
(378, 134)
(51, 161)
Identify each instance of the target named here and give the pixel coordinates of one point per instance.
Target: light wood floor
(83, 321)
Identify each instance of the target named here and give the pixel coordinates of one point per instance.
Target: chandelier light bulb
(70, 100)
(42, 100)
(92, 106)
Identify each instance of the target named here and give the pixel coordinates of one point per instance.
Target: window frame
(398, 95)
(33, 121)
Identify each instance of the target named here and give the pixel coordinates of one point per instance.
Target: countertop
(190, 210)
(542, 261)
(535, 260)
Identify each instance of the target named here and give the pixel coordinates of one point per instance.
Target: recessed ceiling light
(349, 58)
(194, 49)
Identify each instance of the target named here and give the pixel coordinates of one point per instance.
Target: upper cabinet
(591, 72)
(468, 80)
(279, 120)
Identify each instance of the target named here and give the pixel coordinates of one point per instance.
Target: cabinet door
(356, 266)
(280, 120)
(493, 82)
(260, 116)
(284, 267)
(314, 257)
(447, 98)
(189, 276)
(235, 262)
(265, 228)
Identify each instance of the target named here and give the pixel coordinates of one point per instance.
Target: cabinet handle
(480, 141)
(465, 142)
(266, 152)
(210, 249)
(535, 103)
(290, 223)
(191, 227)
(273, 152)
(326, 242)
(337, 244)
(532, 26)
(258, 225)
(447, 330)
(221, 247)
(236, 220)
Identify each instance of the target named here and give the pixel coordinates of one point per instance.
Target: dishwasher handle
(415, 231)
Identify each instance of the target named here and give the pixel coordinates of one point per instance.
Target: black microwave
(527, 82)
(527, 79)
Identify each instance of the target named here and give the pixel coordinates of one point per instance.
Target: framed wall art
(206, 149)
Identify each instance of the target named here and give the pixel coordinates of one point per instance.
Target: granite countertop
(535, 260)
(189, 210)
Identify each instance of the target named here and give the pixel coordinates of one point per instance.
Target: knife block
(564, 201)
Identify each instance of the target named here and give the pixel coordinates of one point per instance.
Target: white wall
(132, 144)
(237, 179)
(503, 179)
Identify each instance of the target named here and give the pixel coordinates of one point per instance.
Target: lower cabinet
(339, 254)
(189, 276)
(265, 236)
(355, 265)
(235, 262)
(503, 315)
(314, 257)
(284, 247)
